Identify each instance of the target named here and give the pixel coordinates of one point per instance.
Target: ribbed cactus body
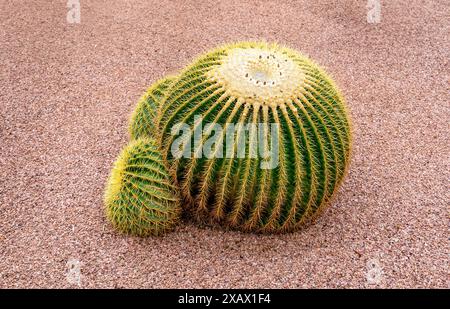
(140, 198)
(142, 122)
(257, 83)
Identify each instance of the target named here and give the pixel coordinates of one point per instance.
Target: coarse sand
(66, 93)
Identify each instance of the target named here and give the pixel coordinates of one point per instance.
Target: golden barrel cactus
(289, 153)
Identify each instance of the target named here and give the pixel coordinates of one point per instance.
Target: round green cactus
(142, 122)
(250, 84)
(140, 198)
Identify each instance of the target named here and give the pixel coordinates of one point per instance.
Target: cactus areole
(250, 84)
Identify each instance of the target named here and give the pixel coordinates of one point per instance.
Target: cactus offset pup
(140, 198)
(142, 122)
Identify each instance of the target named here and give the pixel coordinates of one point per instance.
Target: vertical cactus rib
(187, 182)
(281, 180)
(224, 186)
(245, 183)
(263, 187)
(207, 173)
(319, 158)
(297, 163)
(336, 134)
(329, 148)
(309, 182)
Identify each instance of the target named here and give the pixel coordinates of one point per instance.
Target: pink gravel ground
(66, 93)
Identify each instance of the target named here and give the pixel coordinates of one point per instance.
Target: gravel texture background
(66, 93)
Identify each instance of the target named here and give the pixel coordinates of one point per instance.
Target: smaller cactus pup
(253, 83)
(142, 122)
(140, 198)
